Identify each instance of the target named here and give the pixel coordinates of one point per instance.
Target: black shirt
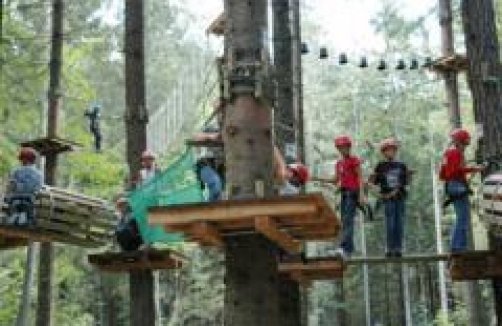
(391, 175)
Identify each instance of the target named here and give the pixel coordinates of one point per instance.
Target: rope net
(175, 185)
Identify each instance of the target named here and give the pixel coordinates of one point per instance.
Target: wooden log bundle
(490, 203)
(64, 216)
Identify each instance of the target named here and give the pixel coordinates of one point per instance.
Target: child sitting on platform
(24, 182)
(392, 177)
(149, 167)
(127, 230)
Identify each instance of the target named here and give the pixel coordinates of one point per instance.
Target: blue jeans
(394, 223)
(462, 209)
(213, 183)
(348, 207)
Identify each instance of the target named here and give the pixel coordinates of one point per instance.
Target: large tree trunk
(484, 73)
(296, 43)
(472, 290)
(142, 307)
(46, 257)
(285, 136)
(251, 296)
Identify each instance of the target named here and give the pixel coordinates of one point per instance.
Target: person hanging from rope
(94, 115)
(149, 167)
(289, 177)
(453, 172)
(127, 231)
(207, 171)
(24, 182)
(392, 177)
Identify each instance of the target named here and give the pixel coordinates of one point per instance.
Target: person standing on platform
(24, 182)
(207, 173)
(348, 177)
(127, 231)
(453, 172)
(392, 177)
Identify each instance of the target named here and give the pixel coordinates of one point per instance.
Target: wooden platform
(64, 217)
(288, 220)
(150, 259)
(204, 143)
(217, 27)
(55, 145)
(476, 265)
(455, 62)
(408, 259)
(318, 269)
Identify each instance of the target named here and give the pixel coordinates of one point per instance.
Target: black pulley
(363, 63)
(343, 60)
(304, 48)
(401, 65)
(382, 65)
(323, 53)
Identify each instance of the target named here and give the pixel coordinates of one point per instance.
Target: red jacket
(347, 172)
(453, 166)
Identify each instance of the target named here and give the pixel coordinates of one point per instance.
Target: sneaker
(341, 253)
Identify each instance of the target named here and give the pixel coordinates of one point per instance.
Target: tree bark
(297, 76)
(251, 296)
(484, 73)
(25, 302)
(285, 136)
(448, 49)
(472, 290)
(142, 307)
(46, 256)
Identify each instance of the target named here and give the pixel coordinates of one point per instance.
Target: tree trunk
(448, 49)
(472, 290)
(484, 73)
(46, 256)
(284, 114)
(251, 296)
(25, 302)
(142, 307)
(285, 136)
(297, 76)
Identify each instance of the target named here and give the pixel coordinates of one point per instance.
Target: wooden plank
(207, 234)
(150, 259)
(46, 214)
(476, 265)
(313, 270)
(235, 210)
(422, 258)
(74, 231)
(266, 226)
(39, 235)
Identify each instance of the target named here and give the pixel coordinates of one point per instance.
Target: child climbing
(208, 175)
(392, 177)
(149, 167)
(291, 177)
(453, 172)
(24, 182)
(127, 231)
(348, 177)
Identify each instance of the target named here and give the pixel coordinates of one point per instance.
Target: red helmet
(460, 135)
(300, 171)
(343, 141)
(27, 155)
(388, 143)
(147, 155)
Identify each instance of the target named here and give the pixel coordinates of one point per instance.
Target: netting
(175, 185)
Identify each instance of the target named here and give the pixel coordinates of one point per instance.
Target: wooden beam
(208, 234)
(266, 226)
(149, 259)
(423, 258)
(234, 210)
(476, 265)
(38, 235)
